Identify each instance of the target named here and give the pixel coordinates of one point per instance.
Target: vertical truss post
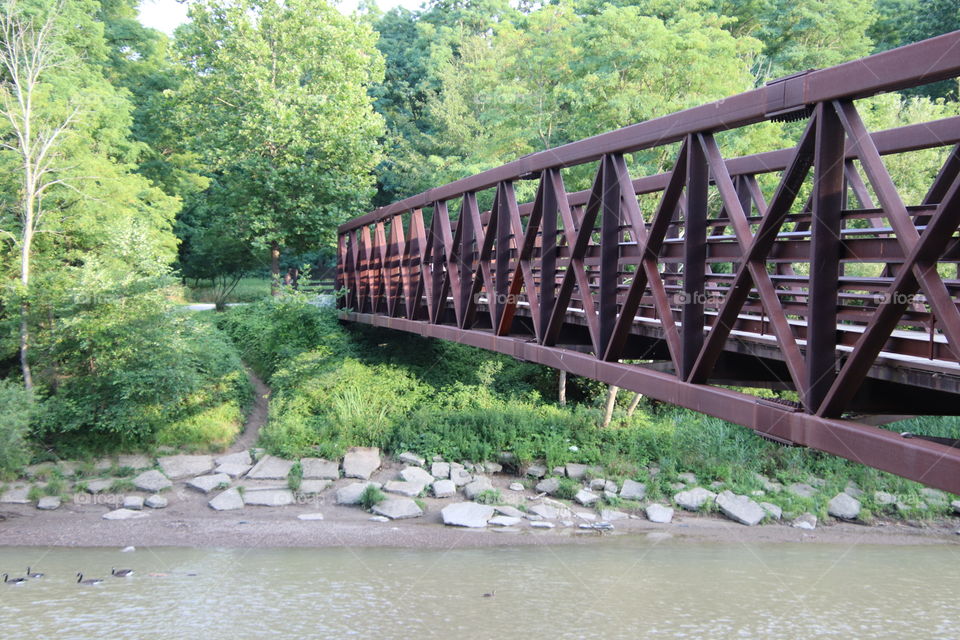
(828, 186)
(549, 180)
(609, 250)
(694, 257)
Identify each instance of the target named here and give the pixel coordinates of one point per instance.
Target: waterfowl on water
(33, 575)
(13, 581)
(490, 595)
(121, 573)
(91, 581)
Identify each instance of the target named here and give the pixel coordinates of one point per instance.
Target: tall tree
(29, 53)
(276, 104)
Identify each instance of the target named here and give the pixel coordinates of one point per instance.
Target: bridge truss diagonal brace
(755, 248)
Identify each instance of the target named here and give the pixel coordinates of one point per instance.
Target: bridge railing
(826, 279)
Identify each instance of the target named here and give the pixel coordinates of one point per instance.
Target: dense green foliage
(113, 365)
(274, 100)
(15, 411)
(471, 85)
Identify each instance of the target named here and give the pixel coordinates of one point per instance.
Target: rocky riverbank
(248, 498)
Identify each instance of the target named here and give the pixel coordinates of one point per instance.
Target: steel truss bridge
(800, 269)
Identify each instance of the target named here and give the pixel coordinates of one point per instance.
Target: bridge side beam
(931, 463)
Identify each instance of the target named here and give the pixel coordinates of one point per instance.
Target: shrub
(132, 373)
(371, 496)
(489, 496)
(15, 412)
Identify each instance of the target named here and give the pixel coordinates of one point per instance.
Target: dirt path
(258, 415)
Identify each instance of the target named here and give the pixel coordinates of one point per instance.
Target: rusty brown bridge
(799, 269)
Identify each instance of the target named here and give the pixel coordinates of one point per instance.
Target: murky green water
(634, 589)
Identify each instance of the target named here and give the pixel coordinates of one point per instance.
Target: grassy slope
(335, 387)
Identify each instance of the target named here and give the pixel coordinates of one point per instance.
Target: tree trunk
(275, 268)
(25, 282)
(611, 401)
(562, 388)
(633, 405)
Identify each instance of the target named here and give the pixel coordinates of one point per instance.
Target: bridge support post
(828, 185)
(694, 257)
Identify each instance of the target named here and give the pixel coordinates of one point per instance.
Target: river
(633, 588)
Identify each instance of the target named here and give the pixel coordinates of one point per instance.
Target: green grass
(295, 477)
(371, 497)
(247, 290)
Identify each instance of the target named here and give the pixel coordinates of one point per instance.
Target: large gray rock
(772, 510)
(417, 476)
(612, 515)
(550, 486)
(135, 462)
(853, 490)
(694, 499)
(134, 503)
(398, 508)
(659, 513)
(39, 469)
(403, 488)
(124, 514)
(271, 468)
(242, 457)
(152, 481)
(633, 490)
(770, 486)
(440, 470)
(206, 484)
(313, 487)
(536, 471)
(934, 496)
(492, 467)
(801, 490)
(883, 498)
(100, 485)
(408, 457)
(227, 501)
(545, 511)
(155, 502)
(956, 506)
(361, 462)
(586, 498)
(460, 476)
(444, 489)
(504, 521)
(319, 469)
(507, 510)
(16, 494)
(844, 506)
(478, 486)
(687, 478)
(350, 494)
(576, 471)
(740, 508)
(268, 497)
(184, 466)
(48, 503)
(806, 521)
(232, 469)
(466, 514)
